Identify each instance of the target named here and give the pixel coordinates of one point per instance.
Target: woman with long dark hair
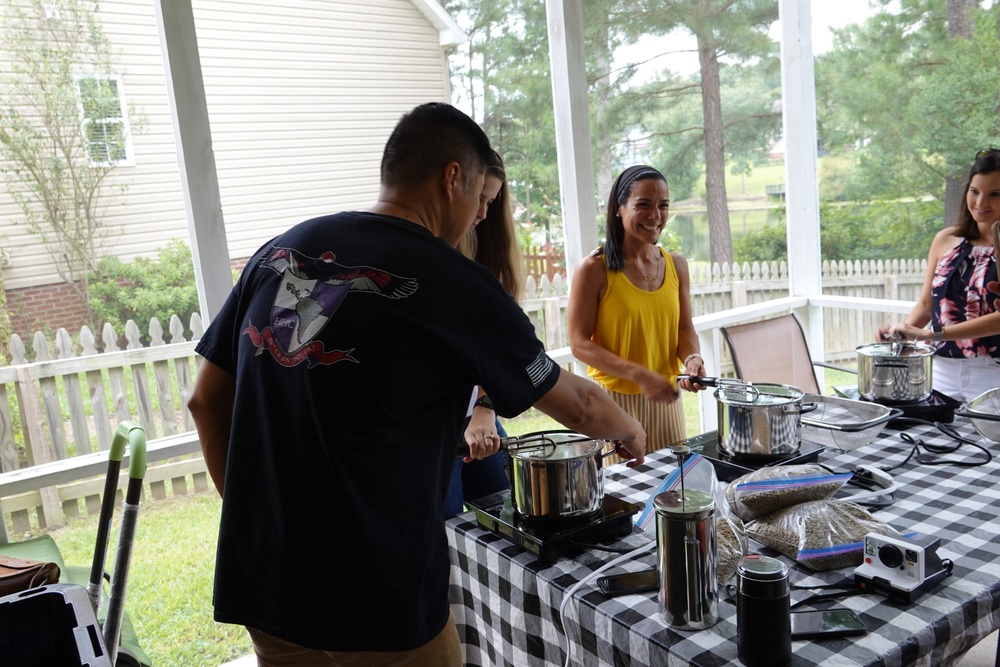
(629, 311)
(492, 242)
(955, 298)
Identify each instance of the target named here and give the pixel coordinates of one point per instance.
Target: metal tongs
(896, 346)
(729, 387)
(518, 444)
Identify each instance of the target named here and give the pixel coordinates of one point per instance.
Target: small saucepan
(895, 373)
(555, 476)
(757, 420)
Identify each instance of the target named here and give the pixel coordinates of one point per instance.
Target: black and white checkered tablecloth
(506, 603)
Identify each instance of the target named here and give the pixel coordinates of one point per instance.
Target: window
(104, 121)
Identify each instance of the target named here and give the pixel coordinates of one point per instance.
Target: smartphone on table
(630, 582)
(826, 623)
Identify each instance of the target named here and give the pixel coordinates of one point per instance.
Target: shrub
(145, 288)
(873, 230)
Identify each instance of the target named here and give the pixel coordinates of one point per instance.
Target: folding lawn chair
(119, 638)
(775, 350)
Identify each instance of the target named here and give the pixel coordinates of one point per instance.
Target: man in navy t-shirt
(329, 410)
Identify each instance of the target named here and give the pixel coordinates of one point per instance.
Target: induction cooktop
(728, 466)
(552, 539)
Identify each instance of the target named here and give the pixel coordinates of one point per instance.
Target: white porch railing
(39, 487)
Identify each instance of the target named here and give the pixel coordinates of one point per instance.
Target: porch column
(199, 181)
(572, 118)
(798, 89)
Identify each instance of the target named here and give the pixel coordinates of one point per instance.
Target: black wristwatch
(938, 331)
(483, 401)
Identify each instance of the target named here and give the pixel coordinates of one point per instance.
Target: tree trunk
(959, 27)
(720, 241)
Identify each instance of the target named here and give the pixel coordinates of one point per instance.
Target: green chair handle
(131, 434)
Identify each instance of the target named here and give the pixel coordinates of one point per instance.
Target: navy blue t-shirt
(355, 340)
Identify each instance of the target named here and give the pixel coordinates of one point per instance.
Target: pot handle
(804, 408)
(963, 412)
(890, 364)
(616, 450)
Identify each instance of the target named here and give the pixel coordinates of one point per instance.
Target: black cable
(938, 449)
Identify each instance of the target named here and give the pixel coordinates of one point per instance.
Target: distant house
(301, 96)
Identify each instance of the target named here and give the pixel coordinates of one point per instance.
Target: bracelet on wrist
(483, 402)
(692, 356)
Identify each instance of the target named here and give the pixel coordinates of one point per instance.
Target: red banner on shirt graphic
(313, 352)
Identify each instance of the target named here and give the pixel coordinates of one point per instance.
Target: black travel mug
(763, 612)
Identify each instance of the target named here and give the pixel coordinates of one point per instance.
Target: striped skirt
(663, 422)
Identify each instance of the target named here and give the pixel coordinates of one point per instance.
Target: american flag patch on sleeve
(540, 368)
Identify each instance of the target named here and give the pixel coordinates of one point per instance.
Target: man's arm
(211, 406)
(579, 404)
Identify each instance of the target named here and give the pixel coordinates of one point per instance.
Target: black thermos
(763, 614)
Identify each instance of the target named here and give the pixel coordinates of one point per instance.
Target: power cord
(590, 577)
(926, 459)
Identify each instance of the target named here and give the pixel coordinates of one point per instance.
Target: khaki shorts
(444, 650)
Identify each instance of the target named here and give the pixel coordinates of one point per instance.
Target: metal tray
(843, 423)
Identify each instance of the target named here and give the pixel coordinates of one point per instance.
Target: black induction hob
(728, 467)
(937, 407)
(551, 540)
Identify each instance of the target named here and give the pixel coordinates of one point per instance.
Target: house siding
(301, 97)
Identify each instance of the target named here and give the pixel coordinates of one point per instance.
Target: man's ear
(453, 180)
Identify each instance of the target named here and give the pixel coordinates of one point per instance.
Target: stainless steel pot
(895, 379)
(556, 475)
(760, 420)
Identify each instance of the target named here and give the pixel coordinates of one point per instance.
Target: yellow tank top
(639, 326)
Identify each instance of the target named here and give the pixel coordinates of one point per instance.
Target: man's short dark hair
(428, 138)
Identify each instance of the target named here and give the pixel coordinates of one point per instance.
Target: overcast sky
(683, 59)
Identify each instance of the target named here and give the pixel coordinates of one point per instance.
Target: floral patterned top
(958, 293)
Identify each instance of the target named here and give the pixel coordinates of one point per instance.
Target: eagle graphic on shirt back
(309, 293)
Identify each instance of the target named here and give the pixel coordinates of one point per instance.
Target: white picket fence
(65, 402)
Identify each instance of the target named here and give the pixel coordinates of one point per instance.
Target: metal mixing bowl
(984, 413)
(844, 423)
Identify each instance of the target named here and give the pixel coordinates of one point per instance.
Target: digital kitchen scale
(728, 467)
(551, 539)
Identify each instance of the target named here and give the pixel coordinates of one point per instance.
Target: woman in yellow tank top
(629, 311)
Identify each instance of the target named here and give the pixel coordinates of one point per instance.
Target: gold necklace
(644, 276)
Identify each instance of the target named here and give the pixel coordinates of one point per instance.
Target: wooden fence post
(36, 446)
(739, 293)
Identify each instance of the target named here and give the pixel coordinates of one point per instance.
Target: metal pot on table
(555, 476)
(757, 419)
(895, 373)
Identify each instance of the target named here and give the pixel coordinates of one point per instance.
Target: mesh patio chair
(774, 350)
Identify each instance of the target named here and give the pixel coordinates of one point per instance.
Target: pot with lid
(895, 373)
(760, 420)
(556, 475)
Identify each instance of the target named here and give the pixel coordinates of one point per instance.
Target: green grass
(753, 184)
(169, 596)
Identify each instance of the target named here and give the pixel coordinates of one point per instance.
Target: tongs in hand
(728, 386)
(896, 346)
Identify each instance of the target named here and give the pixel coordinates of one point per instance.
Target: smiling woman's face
(645, 213)
(983, 197)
